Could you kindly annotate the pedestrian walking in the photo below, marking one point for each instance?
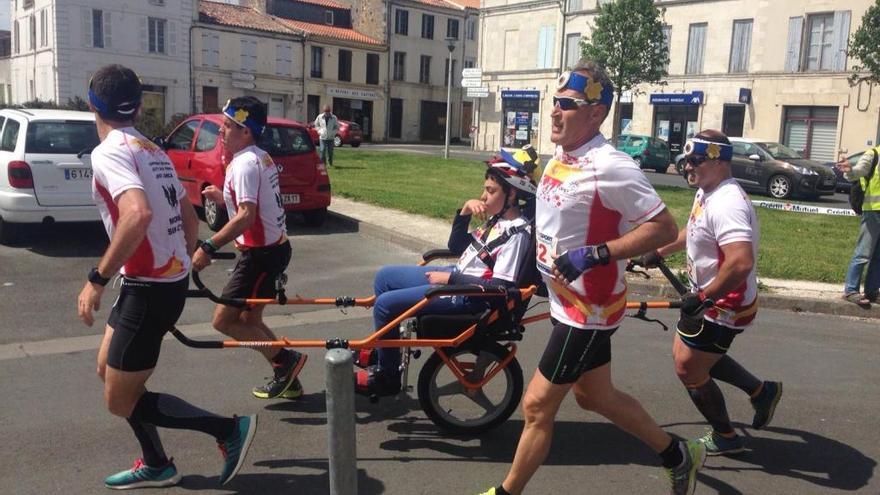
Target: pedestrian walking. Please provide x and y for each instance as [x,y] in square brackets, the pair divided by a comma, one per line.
[327,125]
[153,231]
[867,250]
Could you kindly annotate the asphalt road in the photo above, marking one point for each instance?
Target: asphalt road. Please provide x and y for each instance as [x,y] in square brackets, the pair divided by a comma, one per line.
[671,179]
[58,438]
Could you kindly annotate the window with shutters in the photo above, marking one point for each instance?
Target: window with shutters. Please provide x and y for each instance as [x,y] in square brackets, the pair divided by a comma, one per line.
[344,73]
[546,45]
[32,39]
[572,49]
[452,28]
[97,28]
[399,66]
[740,46]
[819,48]
[696,48]
[818,42]
[811,131]
[575,5]
[44,31]
[211,50]
[317,62]
[156,35]
[372,68]
[401,22]
[667,39]
[471,29]
[248,56]
[425,69]
[283,59]
[427,26]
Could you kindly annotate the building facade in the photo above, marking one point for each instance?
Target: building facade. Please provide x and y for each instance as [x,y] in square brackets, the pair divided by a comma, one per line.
[770,70]
[58,44]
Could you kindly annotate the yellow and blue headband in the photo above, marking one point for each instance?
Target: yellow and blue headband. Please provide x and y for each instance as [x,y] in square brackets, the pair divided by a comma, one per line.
[242,117]
[709,149]
[594,90]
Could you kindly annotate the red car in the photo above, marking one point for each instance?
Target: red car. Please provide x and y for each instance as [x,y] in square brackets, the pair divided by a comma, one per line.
[349,133]
[196,151]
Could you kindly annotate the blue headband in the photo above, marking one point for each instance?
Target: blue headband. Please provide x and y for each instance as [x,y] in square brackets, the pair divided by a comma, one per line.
[594,90]
[124,109]
[709,149]
[242,117]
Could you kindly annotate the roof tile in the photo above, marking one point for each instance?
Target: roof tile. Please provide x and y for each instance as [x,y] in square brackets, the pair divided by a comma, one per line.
[323,30]
[238,16]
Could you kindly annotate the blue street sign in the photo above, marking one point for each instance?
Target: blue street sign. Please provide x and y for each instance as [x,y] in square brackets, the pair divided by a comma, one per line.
[692,98]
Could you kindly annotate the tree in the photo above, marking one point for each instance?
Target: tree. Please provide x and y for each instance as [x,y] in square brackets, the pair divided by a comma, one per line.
[627,39]
[864,45]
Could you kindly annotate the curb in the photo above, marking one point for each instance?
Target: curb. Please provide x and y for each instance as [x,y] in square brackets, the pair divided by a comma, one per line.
[645,288]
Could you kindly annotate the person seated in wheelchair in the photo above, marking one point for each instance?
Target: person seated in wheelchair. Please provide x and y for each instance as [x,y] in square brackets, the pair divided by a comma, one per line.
[495,253]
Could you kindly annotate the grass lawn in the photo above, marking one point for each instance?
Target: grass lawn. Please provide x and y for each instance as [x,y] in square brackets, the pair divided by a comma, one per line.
[794,246]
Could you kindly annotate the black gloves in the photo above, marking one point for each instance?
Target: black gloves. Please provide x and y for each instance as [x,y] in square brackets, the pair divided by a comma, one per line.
[693,305]
[650,259]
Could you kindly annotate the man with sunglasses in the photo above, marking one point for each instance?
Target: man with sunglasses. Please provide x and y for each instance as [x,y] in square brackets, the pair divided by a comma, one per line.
[595,209]
[721,239]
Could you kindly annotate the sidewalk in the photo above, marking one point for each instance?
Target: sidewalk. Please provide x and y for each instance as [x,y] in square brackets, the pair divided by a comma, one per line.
[421,234]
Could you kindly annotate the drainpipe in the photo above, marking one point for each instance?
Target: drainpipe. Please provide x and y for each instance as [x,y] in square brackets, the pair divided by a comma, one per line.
[305,97]
[388,5]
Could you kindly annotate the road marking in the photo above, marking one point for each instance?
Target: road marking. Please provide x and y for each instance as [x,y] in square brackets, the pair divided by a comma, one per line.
[20,350]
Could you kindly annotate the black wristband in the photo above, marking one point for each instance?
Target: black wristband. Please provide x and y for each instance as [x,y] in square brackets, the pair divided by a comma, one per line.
[96,278]
[603,254]
[208,247]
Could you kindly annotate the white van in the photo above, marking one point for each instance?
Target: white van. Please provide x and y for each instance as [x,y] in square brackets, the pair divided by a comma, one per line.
[45,168]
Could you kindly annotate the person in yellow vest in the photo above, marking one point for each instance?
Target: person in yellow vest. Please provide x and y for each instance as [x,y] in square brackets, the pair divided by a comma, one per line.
[867,250]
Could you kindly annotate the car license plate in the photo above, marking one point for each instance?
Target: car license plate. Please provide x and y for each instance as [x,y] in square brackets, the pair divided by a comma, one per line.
[290,199]
[77,173]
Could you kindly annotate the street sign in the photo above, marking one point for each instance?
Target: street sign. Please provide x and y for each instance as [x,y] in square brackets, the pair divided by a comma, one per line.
[471,83]
[472,73]
[477,92]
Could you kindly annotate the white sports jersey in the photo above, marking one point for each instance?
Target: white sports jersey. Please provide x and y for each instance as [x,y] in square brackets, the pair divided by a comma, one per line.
[723,216]
[127,160]
[586,197]
[252,177]
[508,256]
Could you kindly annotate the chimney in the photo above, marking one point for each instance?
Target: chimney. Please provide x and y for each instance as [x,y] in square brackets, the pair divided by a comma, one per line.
[258,5]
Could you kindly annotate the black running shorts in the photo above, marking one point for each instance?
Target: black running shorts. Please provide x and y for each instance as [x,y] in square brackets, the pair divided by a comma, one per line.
[712,337]
[572,351]
[141,316]
[255,273]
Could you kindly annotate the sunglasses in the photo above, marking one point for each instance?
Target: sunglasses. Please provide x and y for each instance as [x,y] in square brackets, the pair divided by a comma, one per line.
[569,103]
[696,160]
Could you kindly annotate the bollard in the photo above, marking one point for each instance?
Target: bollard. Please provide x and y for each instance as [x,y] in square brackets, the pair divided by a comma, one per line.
[340,422]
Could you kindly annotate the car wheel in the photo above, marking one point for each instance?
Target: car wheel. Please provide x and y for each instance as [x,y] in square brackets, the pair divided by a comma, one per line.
[679,167]
[8,232]
[315,218]
[638,161]
[337,141]
[215,214]
[356,144]
[779,186]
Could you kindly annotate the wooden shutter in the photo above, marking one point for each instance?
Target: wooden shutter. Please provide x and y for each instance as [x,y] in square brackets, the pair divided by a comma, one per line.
[839,43]
[87,27]
[793,47]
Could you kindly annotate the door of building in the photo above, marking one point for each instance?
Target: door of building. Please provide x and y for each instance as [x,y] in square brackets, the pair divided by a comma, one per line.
[432,122]
[357,111]
[675,124]
[733,119]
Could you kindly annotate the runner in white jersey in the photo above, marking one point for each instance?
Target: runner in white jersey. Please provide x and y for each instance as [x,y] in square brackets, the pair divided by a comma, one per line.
[721,239]
[495,253]
[257,227]
[595,209]
[153,231]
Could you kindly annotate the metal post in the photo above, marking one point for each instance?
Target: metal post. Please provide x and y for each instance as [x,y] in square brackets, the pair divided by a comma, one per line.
[448,104]
[340,423]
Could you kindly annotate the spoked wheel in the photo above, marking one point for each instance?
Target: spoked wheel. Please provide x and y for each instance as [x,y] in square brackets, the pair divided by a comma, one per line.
[459,410]
[215,214]
[779,186]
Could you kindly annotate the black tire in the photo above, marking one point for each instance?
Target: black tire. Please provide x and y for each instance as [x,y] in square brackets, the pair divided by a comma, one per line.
[8,232]
[679,167]
[780,186]
[448,406]
[215,214]
[356,144]
[337,142]
[315,218]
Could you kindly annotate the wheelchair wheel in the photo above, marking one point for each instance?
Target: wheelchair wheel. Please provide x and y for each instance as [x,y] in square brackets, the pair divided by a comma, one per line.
[457,410]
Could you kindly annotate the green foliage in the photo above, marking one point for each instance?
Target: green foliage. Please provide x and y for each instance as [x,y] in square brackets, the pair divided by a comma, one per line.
[76,103]
[864,45]
[627,39]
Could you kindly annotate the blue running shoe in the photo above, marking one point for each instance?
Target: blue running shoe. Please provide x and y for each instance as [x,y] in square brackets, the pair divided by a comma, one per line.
[235,448]
[141,476]
[720,445]
[765,404]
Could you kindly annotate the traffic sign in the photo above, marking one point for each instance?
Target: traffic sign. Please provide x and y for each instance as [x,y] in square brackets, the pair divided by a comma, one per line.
[471,83]
[472,73]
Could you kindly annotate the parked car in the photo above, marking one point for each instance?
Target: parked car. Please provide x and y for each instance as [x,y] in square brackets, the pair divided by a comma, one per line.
[774,169]
[647,151]
[196,151]
[45,168]
[844,185]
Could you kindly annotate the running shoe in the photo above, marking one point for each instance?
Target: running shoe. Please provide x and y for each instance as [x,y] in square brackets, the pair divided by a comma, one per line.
[684,477]
[490,491]
[294,392]
[284,377]
[765,404]
[235,448]
[720,445]
[141,476]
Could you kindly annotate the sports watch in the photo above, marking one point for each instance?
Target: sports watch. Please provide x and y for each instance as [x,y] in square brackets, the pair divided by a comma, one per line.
[96,278]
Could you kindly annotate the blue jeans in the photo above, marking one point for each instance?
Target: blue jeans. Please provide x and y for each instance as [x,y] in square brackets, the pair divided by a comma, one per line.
[397,289]
[867,252]
[327,151]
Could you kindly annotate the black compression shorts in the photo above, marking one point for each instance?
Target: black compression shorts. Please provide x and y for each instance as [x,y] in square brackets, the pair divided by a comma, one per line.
[712,337]
[572,351]
[255,273]
[141,316]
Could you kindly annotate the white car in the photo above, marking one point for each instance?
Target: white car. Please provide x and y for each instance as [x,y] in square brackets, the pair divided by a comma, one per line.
[45,168]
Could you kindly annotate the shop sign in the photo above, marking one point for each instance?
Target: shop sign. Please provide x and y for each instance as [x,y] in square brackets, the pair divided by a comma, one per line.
[357,94]
[692,98]
[519,94]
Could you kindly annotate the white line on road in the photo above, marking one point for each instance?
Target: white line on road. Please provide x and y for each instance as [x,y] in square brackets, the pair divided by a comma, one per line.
[20,350]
